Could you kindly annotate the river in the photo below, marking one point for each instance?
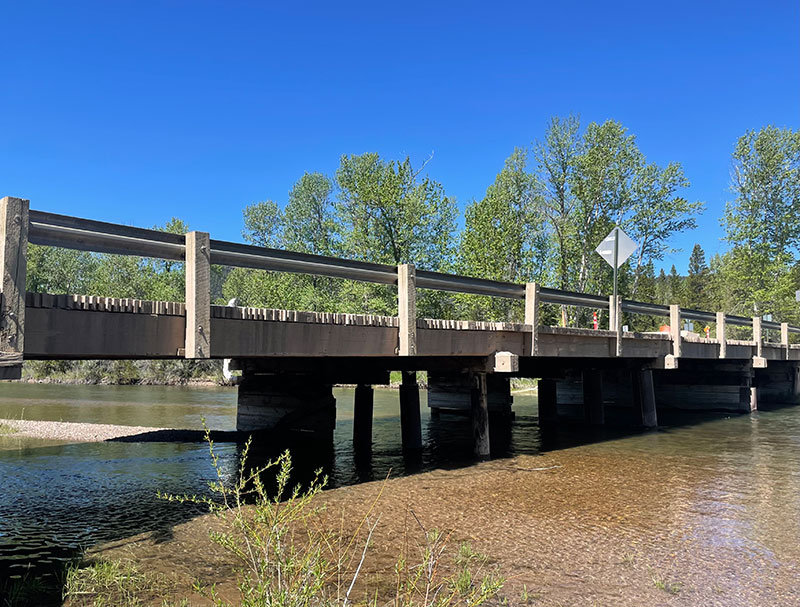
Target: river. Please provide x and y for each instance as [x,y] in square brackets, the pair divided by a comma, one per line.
[57,499]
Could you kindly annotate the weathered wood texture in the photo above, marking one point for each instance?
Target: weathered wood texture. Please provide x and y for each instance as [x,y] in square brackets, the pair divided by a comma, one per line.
[532,315]
[13,262]
[722,335]
[410,420]
[547,402]
[363,404]
[198,295]
[56,333]
[593,397]
[452,392]
[479,414]
[407,309]
[644,398]
[292,402]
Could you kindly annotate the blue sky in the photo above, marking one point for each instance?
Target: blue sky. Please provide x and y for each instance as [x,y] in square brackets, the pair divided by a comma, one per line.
[135,112]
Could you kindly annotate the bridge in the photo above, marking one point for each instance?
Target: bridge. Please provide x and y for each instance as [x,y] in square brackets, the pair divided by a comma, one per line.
[291,359]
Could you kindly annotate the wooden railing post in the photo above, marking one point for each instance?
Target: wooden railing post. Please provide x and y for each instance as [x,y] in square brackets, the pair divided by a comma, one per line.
[407,309]
[785,339]
[198,295]
[14,223]
[615,321]
[532,314]
[671,361]
[722,335]
[758,337]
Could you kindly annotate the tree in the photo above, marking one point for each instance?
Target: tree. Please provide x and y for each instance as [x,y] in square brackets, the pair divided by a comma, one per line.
[762,224]
[697,281]
[657,213]
[389,213]
[503,237]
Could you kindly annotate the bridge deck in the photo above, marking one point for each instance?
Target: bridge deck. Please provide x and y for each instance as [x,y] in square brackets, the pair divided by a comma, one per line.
[80,327]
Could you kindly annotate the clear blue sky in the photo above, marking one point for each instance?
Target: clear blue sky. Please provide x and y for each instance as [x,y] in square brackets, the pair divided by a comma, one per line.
[134,112]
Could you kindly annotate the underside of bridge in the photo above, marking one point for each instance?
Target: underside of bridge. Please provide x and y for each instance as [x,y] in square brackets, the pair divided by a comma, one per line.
[295,394]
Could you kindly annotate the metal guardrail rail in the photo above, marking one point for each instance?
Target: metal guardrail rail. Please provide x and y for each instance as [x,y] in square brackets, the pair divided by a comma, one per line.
[51,229]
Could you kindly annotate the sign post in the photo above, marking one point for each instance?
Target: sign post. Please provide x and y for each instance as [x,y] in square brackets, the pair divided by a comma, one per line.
[615,249]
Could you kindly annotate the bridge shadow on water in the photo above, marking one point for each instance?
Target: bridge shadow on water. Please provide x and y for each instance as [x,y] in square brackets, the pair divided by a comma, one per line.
[66,498]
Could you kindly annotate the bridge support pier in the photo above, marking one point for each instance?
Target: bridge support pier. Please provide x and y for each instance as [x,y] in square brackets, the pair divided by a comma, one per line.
[779,383]
[548,403]
[362,415]
[479,402]
[452,393]
[644,398]
[708,386]
[291,402]
[594,409]
[410,421]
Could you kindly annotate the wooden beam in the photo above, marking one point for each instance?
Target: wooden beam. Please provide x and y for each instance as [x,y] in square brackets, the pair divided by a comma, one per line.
[532,314]
[675,329]
[785,339]
[479,414]
[410,421]
[198,295]
[362,415]
[722,335]
[14,223]
[407,309]
[592,381]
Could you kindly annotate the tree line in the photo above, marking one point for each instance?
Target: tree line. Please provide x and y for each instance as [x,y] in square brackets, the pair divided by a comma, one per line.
[541,218]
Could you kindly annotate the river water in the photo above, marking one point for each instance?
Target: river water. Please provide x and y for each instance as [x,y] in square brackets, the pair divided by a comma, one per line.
[57,499]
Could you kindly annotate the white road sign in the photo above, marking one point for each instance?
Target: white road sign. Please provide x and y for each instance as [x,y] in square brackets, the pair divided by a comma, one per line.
[625,248]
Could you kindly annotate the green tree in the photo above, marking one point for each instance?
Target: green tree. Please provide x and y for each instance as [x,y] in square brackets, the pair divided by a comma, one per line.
[762,224]
[389,213]
[503,237]
[697,281]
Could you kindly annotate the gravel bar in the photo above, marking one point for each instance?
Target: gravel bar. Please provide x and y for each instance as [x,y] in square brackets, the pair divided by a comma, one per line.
[96,433]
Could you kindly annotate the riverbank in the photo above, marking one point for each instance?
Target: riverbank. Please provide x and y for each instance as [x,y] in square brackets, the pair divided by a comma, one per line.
[575,527]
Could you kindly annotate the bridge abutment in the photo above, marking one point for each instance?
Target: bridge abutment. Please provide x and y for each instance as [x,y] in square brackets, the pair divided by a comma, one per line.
[708,386]
[291,401]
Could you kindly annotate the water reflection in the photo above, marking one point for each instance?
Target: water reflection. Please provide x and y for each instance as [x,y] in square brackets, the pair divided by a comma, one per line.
[723,482]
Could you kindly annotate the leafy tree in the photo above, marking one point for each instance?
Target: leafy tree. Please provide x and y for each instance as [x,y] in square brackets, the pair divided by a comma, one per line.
[389,213]
[762,224]
[503,237]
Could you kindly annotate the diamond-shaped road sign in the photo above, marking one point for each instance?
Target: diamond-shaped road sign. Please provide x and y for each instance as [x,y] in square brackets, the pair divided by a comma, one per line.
[625,247]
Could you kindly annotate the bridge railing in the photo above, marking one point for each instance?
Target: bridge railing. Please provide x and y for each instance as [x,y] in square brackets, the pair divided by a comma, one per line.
[19,225]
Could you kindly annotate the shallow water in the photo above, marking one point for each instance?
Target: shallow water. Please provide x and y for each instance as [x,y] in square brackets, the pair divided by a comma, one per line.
[736,478]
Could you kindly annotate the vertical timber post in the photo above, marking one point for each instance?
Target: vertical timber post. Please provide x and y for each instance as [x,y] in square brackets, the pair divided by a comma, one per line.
[198,295]
[548,402]
[722,335]
[14,223]
[410,422]
[592,380]
[675,333]
[758,336]
[785,339]
[532,314]
[612,313]
[479,410]
[644,398]
[362,415]
[407,309]
[759,362]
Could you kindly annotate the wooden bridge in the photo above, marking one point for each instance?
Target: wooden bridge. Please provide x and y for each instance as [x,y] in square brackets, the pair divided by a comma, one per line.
[290,359]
